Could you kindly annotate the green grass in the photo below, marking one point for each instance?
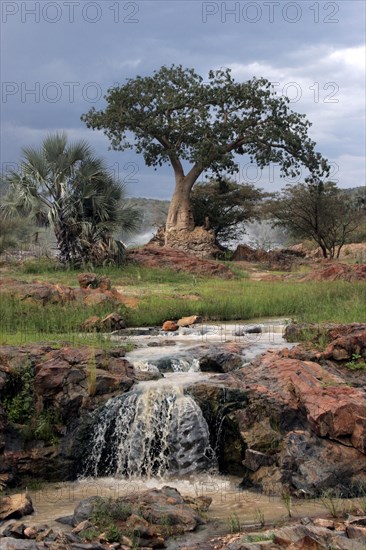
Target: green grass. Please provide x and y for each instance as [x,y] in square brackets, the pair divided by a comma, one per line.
[129,274]
[27,317]
[160,294]
[243,299]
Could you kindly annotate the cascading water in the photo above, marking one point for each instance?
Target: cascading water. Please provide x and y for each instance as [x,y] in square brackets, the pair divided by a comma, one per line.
[153,430]
[170,364]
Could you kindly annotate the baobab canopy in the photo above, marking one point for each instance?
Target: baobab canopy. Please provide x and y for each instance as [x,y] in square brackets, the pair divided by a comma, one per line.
[176,116]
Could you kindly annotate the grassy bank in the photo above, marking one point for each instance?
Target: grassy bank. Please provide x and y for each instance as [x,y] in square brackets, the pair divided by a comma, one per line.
[163,294]
[242,299]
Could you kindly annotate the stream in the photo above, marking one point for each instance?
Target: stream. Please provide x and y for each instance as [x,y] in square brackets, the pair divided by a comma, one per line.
[156,435]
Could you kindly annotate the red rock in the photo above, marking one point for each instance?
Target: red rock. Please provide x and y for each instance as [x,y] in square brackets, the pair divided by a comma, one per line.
[50,376]
[177,260]
[188,321]
[170,326]
[338,271]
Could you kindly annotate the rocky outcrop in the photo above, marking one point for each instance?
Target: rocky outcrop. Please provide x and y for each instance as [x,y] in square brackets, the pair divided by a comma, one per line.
[274,259]
[177,260]
[142,520]
[199,242]
[94,290]
[60,386]
[285,421]
[338,272]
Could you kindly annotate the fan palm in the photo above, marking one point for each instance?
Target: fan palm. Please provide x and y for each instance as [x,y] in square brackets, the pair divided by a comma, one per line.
[67,186]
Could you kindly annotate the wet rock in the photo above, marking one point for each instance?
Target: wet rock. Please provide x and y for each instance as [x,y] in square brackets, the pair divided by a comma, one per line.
[85,509]
[255,459]
[248,330]
[15,530]
[15,506]
[302,416]
[147,372]
[169,326]
[312,465]
[189,321]
[220,362]
[69,382]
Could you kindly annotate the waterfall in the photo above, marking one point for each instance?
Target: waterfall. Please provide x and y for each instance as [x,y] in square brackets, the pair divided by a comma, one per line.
[171,364]
[153,430]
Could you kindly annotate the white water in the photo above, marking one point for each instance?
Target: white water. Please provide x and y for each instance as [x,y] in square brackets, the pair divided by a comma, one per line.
[151,431]
[156,429]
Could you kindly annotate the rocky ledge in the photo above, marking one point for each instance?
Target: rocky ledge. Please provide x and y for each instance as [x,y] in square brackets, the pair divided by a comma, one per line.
[45,392]
[293,420]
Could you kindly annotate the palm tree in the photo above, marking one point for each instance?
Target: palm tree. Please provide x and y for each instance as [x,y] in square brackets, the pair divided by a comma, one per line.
[67,186]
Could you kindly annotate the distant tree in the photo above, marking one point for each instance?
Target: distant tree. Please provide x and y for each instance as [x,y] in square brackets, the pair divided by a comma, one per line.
[174,116]
[321,212]
[223,206]
[66,186]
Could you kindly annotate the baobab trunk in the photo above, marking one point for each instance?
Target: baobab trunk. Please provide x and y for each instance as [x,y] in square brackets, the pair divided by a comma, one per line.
[180,230]
[180,215]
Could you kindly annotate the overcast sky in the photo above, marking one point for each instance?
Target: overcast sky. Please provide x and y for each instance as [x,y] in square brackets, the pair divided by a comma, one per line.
[58,58]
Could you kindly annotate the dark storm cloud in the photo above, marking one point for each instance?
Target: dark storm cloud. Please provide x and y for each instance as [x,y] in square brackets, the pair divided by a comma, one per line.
[60,57]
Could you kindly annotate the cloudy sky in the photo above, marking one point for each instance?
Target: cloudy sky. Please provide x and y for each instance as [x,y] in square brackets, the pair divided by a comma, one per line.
[58,58]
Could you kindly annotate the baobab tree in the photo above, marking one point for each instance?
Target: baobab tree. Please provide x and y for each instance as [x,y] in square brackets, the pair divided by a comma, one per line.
[176,117]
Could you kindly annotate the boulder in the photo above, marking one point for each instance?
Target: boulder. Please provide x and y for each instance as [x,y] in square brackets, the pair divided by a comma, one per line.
[15,506]
[312,465]
[221,362]
[169,326]
[189,321]
[84,510]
